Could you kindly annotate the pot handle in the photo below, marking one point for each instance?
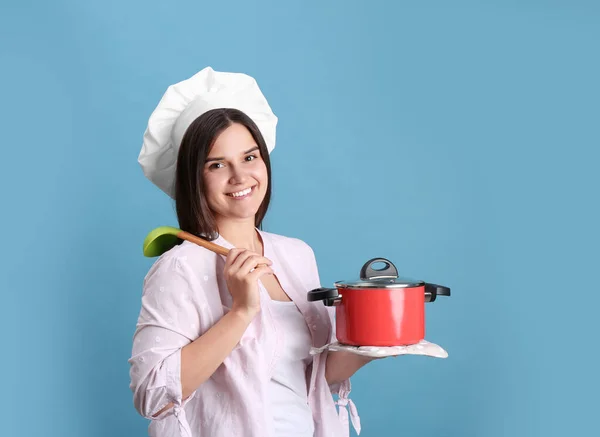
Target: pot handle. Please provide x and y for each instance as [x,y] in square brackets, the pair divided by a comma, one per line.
[329,296]
[368,272]
[432,291]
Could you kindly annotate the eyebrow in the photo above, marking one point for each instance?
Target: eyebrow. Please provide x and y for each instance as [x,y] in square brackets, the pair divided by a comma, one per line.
[223,159]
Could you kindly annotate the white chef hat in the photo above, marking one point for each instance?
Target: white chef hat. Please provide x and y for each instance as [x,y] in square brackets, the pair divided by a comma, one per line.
[185,101]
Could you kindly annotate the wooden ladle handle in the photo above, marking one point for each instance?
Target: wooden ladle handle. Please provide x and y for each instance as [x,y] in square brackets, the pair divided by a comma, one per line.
[202,242]
[206,244]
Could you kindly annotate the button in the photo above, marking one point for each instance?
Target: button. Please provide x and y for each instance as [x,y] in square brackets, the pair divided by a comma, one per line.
[205,278]
[213,89]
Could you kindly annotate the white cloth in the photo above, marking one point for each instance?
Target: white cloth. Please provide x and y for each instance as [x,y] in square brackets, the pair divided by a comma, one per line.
[423,347]
[183,103]
[288,389]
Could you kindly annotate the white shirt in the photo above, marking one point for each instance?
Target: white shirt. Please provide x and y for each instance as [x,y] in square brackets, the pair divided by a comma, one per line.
[288,388]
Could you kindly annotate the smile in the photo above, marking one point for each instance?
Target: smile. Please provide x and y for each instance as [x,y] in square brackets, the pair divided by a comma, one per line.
[242,194]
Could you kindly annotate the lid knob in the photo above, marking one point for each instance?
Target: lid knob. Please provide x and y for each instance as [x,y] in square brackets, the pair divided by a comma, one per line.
[388,272]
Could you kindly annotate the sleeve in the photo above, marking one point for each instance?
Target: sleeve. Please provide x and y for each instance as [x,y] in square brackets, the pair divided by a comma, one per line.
[341,389]
[169,319]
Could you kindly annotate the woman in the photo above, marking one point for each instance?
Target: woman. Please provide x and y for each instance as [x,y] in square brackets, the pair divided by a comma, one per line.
[222,343]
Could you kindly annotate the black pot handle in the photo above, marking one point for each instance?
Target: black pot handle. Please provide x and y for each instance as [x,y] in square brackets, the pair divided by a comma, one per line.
[328,295]
[432,291]
[368,272]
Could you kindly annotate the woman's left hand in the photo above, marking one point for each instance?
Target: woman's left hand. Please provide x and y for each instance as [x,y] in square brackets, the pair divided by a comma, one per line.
[341,365]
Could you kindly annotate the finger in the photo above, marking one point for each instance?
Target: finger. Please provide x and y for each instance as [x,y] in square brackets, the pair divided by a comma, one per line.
[244,256]
[241,259]
[249,264]
[253,262]
[259,272]
[232,256]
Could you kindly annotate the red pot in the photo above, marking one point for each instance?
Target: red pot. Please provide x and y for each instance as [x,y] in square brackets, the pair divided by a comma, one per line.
[380,309]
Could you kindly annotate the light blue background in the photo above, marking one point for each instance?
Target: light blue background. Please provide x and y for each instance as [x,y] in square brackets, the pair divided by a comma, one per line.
[458,138]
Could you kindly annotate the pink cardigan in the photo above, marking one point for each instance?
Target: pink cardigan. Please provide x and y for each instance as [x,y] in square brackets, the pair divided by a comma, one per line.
[184,295]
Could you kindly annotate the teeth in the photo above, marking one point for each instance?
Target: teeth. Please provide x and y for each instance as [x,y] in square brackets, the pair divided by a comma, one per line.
[241,193]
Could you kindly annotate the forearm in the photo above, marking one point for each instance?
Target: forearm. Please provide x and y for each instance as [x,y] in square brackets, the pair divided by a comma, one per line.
[341,365]
[203,356]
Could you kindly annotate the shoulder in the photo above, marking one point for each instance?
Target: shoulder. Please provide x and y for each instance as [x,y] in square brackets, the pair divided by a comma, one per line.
[178,261]
[288,242]
[290,246]
[298,256]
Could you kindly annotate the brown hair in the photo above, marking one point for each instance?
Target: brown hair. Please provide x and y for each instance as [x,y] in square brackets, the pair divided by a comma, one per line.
[193,212]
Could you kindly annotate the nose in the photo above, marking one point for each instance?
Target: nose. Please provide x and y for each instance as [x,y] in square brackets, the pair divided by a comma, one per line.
[238,175]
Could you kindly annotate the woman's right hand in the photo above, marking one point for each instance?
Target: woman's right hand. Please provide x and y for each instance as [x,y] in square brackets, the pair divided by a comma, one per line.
[241,276]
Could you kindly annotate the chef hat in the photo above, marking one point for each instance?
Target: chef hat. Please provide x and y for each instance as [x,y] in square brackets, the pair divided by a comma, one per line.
[183,103]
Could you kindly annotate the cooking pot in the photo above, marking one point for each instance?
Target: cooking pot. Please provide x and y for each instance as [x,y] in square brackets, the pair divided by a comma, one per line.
[379,309]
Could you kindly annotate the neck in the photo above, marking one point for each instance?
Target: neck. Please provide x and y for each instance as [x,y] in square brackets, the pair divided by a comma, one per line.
[241,233]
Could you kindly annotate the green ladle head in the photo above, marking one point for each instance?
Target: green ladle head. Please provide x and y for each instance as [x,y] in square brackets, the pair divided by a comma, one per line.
[161,239]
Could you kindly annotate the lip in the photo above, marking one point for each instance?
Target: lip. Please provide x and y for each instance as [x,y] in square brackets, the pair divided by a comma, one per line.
[252,189]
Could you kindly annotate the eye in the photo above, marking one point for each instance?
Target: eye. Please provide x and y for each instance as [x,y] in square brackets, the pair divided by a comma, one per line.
[250,158]
[215,166]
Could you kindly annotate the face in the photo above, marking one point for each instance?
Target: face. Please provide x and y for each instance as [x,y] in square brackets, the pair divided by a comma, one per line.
[235,175]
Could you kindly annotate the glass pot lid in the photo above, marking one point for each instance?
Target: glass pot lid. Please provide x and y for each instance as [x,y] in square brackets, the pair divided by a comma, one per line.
[387,277]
